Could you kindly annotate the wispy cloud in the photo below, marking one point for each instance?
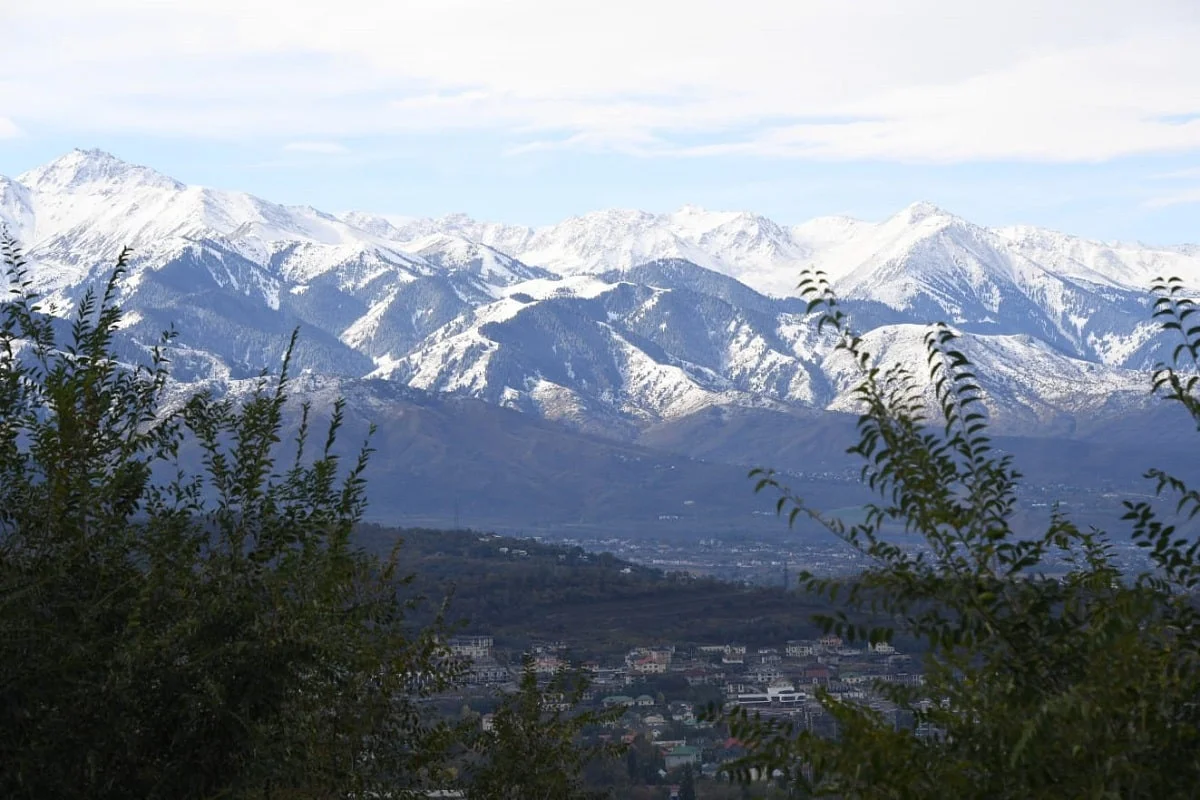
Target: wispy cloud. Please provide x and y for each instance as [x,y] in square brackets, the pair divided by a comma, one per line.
[634,142]
[1184,197]
[8,129]
[319,148]
[898,80]
[1185,174]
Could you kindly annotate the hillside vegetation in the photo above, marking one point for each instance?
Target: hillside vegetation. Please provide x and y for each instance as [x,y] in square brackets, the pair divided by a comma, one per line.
[595,603]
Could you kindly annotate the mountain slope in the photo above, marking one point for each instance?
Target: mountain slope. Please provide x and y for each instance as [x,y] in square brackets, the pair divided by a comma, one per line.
[612,321]
[929,265]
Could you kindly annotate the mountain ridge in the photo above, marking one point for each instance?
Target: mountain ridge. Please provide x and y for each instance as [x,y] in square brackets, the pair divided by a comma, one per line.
[611,320]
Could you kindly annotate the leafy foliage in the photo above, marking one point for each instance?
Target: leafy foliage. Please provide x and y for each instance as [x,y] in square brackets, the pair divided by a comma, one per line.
[166,634]
[532,750]
[1082,684]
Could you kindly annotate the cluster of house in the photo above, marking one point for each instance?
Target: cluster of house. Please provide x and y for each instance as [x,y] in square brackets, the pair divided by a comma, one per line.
[826,662]
[776,683]
[773,681]
[776,680]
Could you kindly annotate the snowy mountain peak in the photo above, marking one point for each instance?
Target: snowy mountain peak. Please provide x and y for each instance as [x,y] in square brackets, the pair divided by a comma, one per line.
[922,211]
[90,169]
[611,315]
[456,219]
[616,217]
[821,233]
[16,208]
[374,224]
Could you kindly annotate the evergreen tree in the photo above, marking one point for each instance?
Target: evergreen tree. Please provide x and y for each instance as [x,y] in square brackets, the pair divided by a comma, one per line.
[687,784]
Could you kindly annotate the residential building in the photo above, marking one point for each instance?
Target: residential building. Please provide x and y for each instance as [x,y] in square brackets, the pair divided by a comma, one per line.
[799,648]
[647,661]
[830,642]
[487,673]
[776,694]
[476,648]
[547,664]
[682,756]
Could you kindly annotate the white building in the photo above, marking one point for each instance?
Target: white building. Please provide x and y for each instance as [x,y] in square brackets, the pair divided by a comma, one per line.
[780,693]
[799,648]
[647,661]
[476,648]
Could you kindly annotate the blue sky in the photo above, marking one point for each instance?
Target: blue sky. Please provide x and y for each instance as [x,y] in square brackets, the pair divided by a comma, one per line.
[1081,116]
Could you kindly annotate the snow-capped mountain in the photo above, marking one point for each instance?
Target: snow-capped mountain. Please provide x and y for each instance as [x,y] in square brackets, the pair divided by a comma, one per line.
[927,264]
[611,320]
[751,248]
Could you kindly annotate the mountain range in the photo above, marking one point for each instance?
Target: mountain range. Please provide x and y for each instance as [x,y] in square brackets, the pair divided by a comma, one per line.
[617,328]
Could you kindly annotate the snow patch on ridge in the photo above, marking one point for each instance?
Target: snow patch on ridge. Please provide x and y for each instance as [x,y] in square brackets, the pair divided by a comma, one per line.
[1055,321]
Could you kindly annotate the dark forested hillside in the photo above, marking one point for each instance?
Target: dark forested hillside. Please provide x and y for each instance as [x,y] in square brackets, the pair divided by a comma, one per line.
[520,590]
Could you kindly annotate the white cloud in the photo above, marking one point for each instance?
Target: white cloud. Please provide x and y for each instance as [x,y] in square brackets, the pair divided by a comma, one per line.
[1185,197]
[8,129]
[1178,174]
[920,80]
[319,148]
